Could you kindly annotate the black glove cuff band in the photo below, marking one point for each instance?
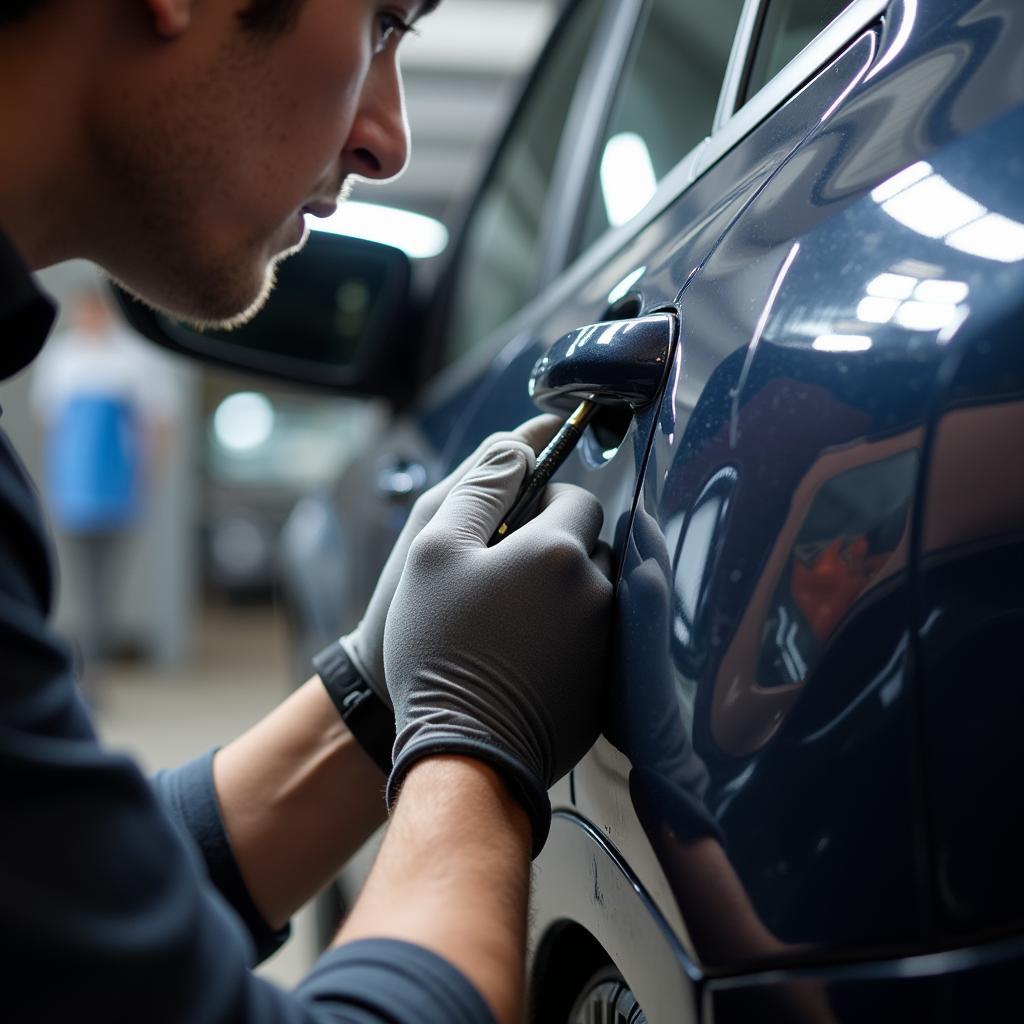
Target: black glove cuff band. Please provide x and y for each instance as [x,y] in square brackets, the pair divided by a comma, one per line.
[368,718]
[520,782]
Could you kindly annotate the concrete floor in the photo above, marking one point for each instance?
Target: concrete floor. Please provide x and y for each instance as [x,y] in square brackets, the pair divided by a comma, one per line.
[163,717]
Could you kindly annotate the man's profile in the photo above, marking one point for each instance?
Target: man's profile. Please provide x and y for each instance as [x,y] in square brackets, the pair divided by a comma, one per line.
[179,145]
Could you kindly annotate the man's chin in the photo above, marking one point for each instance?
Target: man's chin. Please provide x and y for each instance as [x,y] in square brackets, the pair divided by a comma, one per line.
[211,304]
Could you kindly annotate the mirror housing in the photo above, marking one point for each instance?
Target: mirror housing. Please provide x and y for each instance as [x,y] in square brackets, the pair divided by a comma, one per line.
[339,318]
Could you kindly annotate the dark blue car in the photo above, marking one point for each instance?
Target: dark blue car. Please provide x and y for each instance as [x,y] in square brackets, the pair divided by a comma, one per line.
[782,242]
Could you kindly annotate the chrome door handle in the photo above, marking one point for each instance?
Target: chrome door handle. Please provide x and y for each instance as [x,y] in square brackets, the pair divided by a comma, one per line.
[619,362]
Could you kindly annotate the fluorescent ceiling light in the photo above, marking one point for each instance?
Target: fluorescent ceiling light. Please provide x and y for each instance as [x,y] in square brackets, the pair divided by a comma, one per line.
[877,311]
[892,286]
[925,316]
[994,237]
[926,203]
[898,182]
[628,180]
[949,292]
[841,343]
[418,236]
[933,208]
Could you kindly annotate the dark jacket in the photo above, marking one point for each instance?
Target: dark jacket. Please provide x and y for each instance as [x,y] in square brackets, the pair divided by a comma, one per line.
[120,899]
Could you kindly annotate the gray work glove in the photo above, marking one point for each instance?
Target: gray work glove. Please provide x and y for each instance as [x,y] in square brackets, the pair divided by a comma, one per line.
[499,653]
[365,644]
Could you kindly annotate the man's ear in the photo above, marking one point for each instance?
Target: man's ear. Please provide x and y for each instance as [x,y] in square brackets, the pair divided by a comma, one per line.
[170,17]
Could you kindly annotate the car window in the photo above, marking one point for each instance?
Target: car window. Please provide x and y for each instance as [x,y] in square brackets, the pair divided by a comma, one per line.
[500,255]
[665,106]
[787,27]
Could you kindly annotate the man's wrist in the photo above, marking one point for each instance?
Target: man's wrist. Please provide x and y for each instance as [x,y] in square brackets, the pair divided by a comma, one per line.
[479,790]
[518,782]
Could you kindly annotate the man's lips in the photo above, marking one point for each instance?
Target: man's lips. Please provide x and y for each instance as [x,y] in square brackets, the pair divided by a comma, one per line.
[321,208]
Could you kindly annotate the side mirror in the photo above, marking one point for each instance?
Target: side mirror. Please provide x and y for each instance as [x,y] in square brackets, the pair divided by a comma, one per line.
[338,318]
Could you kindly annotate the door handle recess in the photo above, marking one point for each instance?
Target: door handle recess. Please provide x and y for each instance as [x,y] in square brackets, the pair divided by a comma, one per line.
[616,363]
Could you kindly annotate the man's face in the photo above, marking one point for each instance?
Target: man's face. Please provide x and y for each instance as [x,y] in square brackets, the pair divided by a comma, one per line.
[230,135]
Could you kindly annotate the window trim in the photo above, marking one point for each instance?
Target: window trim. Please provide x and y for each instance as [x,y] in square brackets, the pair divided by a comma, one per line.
[841,30]
[597,90]
[739,60]
[439,311]
[825,47]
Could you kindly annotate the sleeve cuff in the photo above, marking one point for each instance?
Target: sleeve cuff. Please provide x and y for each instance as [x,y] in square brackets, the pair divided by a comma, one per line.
[387,979]
[188,797]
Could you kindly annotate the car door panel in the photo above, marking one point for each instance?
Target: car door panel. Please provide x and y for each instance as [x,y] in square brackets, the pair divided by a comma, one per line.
[768,721]
[969,545]
[672,249]
[667,251]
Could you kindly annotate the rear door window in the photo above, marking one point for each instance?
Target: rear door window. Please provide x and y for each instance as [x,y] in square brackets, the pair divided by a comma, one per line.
[664,108]
[787,26]
[500,256]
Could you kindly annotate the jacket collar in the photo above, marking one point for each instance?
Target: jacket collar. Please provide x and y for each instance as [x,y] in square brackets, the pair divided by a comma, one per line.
[26,314]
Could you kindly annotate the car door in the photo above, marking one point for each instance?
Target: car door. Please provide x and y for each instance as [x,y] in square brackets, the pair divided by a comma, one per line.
[656,192]
[765,702]
[622,274]
[641,268]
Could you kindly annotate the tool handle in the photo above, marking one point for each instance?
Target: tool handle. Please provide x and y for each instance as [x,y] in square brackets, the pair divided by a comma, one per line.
[547,464]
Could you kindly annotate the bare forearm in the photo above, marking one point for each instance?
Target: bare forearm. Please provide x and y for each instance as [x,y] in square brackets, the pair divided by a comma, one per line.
[453,876]
[299,796]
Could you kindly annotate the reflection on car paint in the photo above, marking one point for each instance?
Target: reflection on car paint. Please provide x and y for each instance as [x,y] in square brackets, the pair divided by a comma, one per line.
[799,710]
[846,531]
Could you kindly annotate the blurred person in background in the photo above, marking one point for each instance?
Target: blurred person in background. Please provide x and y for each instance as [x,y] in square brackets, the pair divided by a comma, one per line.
[179,144]
[107,407]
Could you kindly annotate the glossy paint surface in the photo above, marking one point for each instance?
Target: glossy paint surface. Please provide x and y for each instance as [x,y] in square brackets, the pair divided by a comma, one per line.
[810,753]
[970,609]
[765,693]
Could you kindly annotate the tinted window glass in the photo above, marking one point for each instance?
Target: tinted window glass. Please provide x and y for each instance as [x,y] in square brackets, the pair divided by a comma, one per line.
[498,265]
[789,25]
[666,105]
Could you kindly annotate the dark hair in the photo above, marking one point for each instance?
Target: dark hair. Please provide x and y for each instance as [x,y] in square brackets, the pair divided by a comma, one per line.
[12,10]
[261,15]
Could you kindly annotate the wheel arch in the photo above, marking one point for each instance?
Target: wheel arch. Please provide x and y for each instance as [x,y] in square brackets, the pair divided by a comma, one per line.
[589,911]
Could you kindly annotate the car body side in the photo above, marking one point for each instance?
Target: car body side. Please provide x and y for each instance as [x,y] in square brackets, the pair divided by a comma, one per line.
[817,540]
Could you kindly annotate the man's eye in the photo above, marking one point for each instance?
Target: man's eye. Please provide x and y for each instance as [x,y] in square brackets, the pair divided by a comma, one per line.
[389,26]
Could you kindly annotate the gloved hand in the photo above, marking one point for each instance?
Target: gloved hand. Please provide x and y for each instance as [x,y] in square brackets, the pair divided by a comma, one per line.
[499,653]
[365,644]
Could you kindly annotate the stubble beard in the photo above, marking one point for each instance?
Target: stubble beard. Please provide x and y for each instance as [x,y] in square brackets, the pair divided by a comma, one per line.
[166,263]
[159,210]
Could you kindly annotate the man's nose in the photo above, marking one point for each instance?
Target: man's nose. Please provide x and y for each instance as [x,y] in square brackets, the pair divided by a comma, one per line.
[378,145]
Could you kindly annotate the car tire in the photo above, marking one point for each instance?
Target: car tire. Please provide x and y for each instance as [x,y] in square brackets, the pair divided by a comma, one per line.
[607,999]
